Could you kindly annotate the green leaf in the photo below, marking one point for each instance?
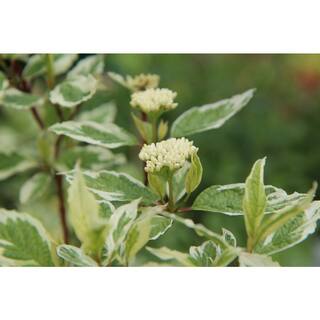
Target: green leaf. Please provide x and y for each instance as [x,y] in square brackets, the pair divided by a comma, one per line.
[256,260]
[13,163]
[90,157]
[88,224]
[144,128]
[165,254]
[120,223]
[158,184]
[110,136]
[72,92]
[255,199]
[292,232]
[93,64]
[228,199]
[103,113]
[4,83]
[13,98]
[114,186]
[210,116]
[37,65]
[24,239]
[275,221]
[35,187]
[194,174]
[204,255]
[75,256]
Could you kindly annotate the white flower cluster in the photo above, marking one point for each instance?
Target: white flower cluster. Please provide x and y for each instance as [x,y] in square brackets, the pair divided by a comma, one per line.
[142,82]
[170,153]
[153,100]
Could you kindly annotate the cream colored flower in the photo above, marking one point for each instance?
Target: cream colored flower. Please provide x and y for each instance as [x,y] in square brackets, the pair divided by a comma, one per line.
[171,153]
[137,83]
[142,82]
[153,100]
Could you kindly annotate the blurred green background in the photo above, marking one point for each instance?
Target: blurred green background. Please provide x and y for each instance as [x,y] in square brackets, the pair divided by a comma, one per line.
[282,122]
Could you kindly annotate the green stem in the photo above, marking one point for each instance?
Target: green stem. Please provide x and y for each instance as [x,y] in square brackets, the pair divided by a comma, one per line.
[50,71]
[171,205]
[153,121]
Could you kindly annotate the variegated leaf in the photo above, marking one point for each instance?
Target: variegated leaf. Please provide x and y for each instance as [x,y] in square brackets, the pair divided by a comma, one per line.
[120,223]
[24,240]
[291,233]
[159,226]
[179,178]
[255,199]
[13,98]
[227,199]
[35,187]
[75,256]
[103,113]
[204,255]
[210,116]
[110,136]
[138,236]
[72,92]
[90,227]
[93,64]
[13,163]
[37,64]
[114,186]
[90,157]
[256,260]
[166,254]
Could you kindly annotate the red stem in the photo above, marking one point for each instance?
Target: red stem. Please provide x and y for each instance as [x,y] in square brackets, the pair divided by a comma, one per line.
[62,209]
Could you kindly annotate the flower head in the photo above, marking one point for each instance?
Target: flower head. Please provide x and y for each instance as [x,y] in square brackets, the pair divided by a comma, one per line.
[137,83]
[171,153]
[142,82]
[154,100]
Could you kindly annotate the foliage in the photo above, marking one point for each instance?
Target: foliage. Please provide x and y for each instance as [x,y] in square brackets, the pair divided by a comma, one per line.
[107,216]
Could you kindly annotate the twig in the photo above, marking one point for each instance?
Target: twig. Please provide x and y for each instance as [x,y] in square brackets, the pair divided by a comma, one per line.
[37,118]
[62,209]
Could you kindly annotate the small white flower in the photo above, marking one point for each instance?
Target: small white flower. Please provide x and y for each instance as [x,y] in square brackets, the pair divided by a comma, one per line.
[137,83]
[153,100]
[171,153]
[142,82]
